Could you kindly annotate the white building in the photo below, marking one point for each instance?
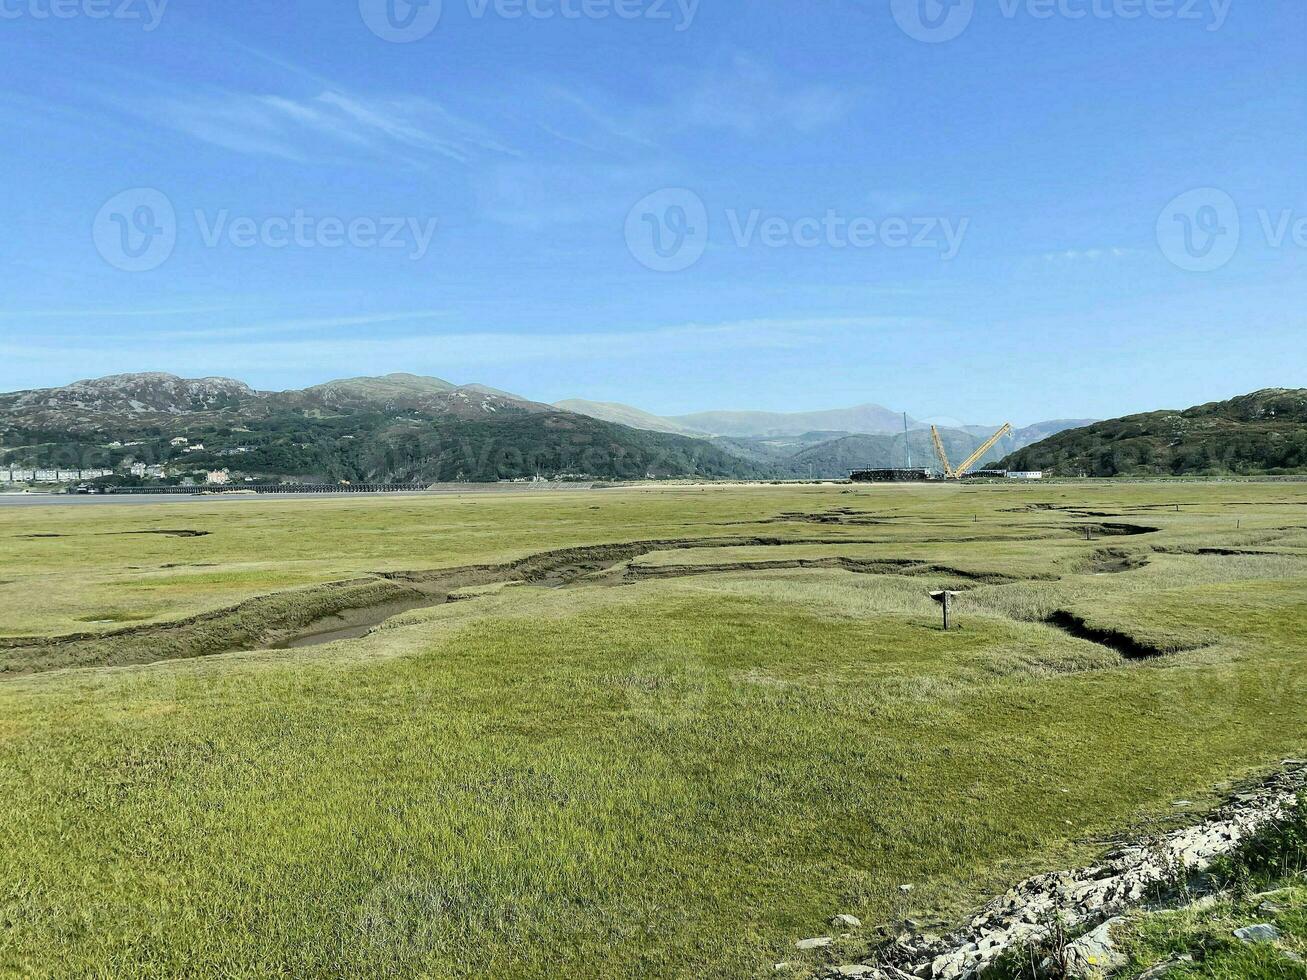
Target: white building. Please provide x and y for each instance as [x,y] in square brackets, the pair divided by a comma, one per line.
[50,476]
[218,478]
[1028,475]
[179,441]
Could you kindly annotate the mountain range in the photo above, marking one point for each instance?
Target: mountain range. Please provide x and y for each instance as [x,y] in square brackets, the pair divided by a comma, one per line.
[403,427]
[397,428]
[873,419]
[827,443]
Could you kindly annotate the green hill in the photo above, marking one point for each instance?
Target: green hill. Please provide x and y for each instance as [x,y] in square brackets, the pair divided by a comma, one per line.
[1261,433]
[399,428]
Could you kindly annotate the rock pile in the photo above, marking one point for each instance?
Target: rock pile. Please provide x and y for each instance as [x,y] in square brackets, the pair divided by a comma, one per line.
[1084,898]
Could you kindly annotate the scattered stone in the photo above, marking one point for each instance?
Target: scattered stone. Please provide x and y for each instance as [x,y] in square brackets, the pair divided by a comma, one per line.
[821,942]
[1095,952]
[847,921]
[1089,897]
[1183,803]
[855,970]
[1263,932]
[1271,907]
[1162,969]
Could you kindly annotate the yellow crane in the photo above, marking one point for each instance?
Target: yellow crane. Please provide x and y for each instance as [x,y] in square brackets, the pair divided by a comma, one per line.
[956,474]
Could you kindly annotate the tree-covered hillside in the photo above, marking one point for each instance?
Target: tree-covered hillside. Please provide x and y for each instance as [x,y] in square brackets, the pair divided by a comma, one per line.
[1261,433]
[373,430]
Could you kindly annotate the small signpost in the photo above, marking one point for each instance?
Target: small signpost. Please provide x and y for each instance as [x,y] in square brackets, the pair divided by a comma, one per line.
[945,599]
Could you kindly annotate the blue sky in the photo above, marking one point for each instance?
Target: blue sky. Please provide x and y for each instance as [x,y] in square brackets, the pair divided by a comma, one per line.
[681,206]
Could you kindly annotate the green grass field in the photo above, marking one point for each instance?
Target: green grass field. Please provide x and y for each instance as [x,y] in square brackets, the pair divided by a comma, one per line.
[670,764]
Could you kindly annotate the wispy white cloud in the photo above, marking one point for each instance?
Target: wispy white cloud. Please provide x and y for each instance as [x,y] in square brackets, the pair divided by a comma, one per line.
[570,113]
[1074,255]
[744,96]
[296,114]
[300,128]
[540,196]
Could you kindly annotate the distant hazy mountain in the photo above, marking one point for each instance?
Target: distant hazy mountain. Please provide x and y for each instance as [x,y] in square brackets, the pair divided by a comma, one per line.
[826,443]
[626,415]
[837,455]
[861,418]
[1042,430]
[1263,432]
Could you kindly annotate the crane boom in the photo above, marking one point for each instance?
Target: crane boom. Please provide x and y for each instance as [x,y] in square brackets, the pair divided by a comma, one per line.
[939,452]
[980,453]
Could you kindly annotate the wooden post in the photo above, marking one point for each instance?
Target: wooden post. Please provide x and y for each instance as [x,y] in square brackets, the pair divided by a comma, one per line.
[945,600]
